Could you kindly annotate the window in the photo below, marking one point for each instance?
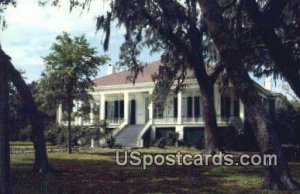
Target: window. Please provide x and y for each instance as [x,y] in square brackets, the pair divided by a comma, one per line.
[158,111]
[272,106]
[114,109]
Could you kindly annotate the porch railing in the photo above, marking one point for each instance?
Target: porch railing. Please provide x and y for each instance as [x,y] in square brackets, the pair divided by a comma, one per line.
[114,121]
[188,120]
[165,120]
[227,119]
[192,119]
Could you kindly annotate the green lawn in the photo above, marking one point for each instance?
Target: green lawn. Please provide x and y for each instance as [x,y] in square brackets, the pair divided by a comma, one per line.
[97,172]
[26,145]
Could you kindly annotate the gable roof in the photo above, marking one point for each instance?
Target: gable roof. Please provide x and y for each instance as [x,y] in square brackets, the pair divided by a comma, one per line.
[121,78]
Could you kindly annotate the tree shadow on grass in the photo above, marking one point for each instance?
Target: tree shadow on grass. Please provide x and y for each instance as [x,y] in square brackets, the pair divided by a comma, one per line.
[81,175]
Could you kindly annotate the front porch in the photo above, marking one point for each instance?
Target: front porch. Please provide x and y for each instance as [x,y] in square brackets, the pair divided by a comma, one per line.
[135,108]
[122,110]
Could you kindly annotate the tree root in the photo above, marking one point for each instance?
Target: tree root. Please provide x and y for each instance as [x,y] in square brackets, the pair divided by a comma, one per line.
[282,183]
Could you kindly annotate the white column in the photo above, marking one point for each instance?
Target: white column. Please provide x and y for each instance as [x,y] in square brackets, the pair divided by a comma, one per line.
[92,143]
[152,133]
[92,114]
[179,130]
[102,107]
[59,114]
[150,107]
[242,111]
[179,107]
[126,107]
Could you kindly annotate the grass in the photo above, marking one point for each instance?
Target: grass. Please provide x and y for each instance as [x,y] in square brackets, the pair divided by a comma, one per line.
[97,172]
[22,145]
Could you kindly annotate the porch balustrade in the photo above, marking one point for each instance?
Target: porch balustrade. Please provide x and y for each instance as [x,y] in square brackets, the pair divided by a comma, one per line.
[165,120]
[114,121]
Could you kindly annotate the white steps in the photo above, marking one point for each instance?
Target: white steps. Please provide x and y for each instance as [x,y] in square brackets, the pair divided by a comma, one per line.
[128,136]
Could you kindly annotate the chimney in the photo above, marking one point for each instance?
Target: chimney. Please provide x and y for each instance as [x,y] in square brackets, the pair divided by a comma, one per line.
[110,69]
[268,82]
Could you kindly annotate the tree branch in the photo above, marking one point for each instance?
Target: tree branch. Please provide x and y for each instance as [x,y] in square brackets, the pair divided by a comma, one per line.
[167,33]
[282,57]
[214,76]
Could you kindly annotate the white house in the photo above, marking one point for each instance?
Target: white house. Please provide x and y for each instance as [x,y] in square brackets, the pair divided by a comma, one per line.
[132,117]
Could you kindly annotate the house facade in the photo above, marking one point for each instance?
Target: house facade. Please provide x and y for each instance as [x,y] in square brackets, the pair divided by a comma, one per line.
[132,117]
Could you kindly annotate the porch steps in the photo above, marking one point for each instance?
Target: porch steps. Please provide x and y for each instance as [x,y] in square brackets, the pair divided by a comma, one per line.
[128,136]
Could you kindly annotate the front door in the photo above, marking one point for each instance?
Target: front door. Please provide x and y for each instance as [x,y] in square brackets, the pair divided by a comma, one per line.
[132,112]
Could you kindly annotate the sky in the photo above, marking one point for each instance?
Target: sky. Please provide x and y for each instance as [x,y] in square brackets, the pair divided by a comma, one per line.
[31,30]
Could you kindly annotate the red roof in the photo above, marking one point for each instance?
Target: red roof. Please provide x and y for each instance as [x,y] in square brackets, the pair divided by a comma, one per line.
[145,76]
[122,77]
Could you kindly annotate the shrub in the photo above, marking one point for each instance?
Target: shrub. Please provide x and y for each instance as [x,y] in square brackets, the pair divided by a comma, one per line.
[161,143]
[172,138]
[200,144]
[24,133]
[110,142]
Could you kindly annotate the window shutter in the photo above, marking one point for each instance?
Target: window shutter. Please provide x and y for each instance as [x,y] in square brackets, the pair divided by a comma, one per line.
[236,107]
[189,107]
[116,109]
[122,109]
[175,107]
[197,106]
[106,109]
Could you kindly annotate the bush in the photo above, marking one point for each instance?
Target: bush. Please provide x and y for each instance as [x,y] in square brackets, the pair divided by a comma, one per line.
[238,138]
[172,138]
[147,143]
[52,134]
[24,133]
[110,142]
[81,135]
[161,142]
[200,144]
[180,143]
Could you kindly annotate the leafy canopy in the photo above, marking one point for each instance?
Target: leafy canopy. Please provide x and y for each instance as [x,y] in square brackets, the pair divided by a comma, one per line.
[70,68]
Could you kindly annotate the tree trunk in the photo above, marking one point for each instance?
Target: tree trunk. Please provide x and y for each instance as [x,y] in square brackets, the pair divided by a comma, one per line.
[69,127]
[207,90]
[277,177]
[283,60]
[41,163]
[4,133]
[205,82]
[209,113]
